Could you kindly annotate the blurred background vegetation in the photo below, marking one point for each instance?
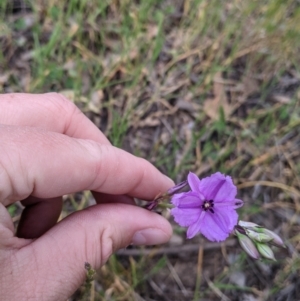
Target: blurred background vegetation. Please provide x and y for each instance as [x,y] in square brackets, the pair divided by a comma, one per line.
[191,85]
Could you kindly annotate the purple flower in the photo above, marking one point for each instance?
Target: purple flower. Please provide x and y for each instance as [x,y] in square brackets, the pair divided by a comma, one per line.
[209,208]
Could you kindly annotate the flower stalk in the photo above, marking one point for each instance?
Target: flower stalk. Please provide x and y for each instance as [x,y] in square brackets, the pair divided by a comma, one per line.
[167,195]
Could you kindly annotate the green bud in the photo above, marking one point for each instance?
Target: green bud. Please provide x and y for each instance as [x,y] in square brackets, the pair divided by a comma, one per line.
[258,237]
[274,238]
[247,225]
[264,235]
[265,251]
[247,245]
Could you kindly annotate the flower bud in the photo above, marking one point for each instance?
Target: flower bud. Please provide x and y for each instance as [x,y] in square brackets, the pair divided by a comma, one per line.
[265,251]
[247,244]
[274,238]
[258,237]
[177,188]
[248,225]
[263,234]
[151,205]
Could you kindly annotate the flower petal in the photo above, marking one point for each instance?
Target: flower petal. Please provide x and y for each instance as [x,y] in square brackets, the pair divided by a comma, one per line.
[218,187]
[187,216]
[211,230]
[186,200]
[238,203]
[194,182]
[227,217]
[234,204]
[217,226]
[195,228]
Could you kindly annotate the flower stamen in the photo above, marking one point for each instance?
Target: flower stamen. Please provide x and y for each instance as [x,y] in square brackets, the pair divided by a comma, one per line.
[208,205]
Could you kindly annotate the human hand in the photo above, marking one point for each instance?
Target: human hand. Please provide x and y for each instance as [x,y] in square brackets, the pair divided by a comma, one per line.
[49,149]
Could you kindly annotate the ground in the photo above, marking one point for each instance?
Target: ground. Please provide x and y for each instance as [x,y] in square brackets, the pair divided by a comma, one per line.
[200,86]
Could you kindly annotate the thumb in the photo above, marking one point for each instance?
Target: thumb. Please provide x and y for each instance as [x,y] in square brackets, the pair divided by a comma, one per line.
[91,235]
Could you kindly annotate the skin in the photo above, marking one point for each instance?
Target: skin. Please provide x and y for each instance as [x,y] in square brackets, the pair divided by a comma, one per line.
[48,149]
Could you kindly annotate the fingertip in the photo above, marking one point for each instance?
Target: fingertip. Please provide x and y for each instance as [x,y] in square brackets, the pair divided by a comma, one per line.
[169,181]
[150,236]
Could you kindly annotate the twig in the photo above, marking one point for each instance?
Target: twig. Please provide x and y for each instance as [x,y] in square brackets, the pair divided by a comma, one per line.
[177,278]
[199,271]
[216,290]
[192,248]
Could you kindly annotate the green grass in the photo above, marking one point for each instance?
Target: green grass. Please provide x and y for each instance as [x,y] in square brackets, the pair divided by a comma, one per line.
[154,64]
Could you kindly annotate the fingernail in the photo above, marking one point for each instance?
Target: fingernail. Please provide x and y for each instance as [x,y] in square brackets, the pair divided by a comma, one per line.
[150,236]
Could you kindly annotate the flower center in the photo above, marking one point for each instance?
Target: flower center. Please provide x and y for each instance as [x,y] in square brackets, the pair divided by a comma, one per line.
[208,205]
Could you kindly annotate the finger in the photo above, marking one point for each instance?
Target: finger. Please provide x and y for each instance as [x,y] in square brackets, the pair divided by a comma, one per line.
[89,236]
[8,240]
[104,198]
[6,223]
[39,216]
[47,165]
[50,111]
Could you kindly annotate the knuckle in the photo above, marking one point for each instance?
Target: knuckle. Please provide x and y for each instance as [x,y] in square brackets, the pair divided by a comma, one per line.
[65,108]
[99,243]
[9,191]
[99,248]
[62,103]
[106,244]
